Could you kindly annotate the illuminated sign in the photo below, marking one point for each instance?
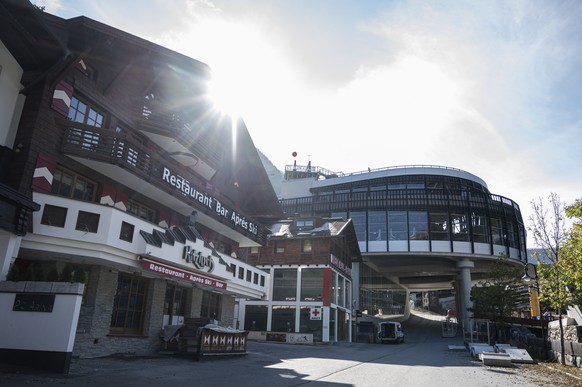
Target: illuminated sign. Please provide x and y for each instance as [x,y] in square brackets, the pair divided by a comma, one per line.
[208,201]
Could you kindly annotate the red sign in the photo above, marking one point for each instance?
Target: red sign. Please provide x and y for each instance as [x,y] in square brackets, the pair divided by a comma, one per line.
[182,274]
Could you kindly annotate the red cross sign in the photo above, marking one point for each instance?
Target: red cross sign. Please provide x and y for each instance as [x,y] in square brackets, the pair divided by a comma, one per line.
[315,314]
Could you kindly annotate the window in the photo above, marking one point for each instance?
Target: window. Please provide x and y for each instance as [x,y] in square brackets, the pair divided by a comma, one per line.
[497,231]
[306,246]
[439,229]
[283,319]
[262,280]
[140,210]
[256,317]
[479,223]
[307,325]
[285,285]
[129,305]
[460,227]
[341,291]
[87,221]
[311,284]
[397,226]
[377,225]
[359,220]
[279,247]
[174,303]
[333,288]
[211,303]
[304,223]
[71,185]
[233,266]
[418,225]
[81,112]
[512,236]
[241,272]
[54,216]
[256,278]
[254,250]
[126,233]
[249,275]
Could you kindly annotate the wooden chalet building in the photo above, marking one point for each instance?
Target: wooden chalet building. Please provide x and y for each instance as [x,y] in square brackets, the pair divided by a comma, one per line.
[309,261]
[139,183]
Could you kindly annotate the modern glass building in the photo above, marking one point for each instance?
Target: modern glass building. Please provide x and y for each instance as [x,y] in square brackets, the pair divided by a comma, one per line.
[418,227]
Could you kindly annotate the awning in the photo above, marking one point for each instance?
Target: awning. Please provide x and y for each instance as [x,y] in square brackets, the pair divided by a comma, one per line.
[174,272]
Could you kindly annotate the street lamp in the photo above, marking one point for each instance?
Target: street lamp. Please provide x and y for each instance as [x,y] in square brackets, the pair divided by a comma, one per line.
[531,274]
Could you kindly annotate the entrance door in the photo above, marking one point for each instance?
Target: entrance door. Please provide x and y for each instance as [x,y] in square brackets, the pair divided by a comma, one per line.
[174,305]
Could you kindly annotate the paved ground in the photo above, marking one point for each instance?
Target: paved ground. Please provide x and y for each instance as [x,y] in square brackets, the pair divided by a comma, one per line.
[422,360]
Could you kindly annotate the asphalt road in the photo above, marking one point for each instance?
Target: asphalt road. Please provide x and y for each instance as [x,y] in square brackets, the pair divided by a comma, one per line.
[422,360]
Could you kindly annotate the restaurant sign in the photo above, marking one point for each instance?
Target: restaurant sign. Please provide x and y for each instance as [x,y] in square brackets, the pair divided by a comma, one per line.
[208,201]
[174,272]
[341,266]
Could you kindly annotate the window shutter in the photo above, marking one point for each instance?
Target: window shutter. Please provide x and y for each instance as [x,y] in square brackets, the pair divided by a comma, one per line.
[43,173]
[62,98]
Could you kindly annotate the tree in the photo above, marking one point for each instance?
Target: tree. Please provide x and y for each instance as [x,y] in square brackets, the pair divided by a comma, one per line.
[550,235]
[499,296]
[548,228]
[570,260]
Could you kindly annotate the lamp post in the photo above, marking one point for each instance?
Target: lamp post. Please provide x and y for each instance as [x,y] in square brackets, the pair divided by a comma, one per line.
[531,274]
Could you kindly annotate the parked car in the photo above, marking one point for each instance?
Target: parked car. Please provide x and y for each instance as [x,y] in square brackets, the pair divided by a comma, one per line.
[390,332]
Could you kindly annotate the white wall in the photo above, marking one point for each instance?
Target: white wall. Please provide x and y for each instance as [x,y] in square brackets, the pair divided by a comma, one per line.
[40,331]
[11,101]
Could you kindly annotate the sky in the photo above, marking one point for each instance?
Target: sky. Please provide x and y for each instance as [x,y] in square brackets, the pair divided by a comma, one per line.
[490,87]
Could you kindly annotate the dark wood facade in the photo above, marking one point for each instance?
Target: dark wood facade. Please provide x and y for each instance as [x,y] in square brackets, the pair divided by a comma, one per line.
[338,240]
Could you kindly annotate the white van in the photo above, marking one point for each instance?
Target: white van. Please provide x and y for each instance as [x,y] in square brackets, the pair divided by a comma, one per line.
[390,332]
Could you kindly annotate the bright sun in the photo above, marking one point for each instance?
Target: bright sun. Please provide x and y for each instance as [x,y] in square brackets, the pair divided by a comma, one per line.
[226,92]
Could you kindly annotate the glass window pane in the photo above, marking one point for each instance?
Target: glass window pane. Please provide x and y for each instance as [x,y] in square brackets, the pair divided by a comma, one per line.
[480,230]
[256,317]
[496,231]
[377,226]
[439,226]
[459,227]
[418,225]
[307,325]
[285,285]
[397,226]
[333,288]
[341,291]
[359,220]
[283,319]
[311,284]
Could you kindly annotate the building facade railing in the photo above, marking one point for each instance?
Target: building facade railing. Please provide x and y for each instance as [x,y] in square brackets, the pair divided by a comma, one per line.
[127,151]
[468,222]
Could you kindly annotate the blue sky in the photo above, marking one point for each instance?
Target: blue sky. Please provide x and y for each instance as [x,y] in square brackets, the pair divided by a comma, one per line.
[490,87]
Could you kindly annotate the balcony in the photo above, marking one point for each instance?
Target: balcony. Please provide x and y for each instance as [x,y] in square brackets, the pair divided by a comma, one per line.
[90,233]
[125,158]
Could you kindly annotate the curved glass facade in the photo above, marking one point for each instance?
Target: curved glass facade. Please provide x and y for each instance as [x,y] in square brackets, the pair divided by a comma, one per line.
[419,210]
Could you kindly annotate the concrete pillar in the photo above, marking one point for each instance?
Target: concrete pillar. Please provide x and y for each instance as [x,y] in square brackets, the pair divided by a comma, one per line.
[9,246]
[465,267]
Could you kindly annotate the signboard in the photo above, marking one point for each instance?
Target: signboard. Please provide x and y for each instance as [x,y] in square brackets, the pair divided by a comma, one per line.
[173,272]
[341,266]
[315,314]
[33,302]
[206,200]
